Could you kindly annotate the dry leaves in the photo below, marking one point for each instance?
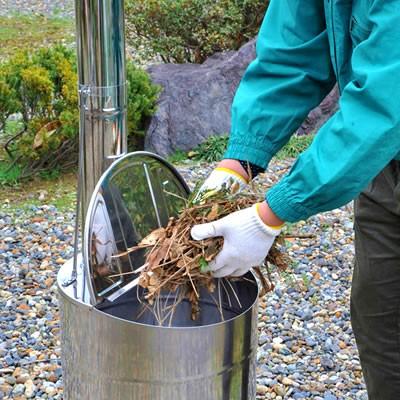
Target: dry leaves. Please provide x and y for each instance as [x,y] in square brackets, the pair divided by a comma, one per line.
[175,261]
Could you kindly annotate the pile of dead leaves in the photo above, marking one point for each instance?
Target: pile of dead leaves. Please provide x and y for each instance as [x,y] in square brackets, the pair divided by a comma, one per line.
[175,261]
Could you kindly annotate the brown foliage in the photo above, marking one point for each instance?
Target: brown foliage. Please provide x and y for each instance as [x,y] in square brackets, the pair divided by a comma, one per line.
[176,261]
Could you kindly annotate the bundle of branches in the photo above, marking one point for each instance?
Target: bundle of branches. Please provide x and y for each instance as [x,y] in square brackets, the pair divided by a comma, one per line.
[175,261]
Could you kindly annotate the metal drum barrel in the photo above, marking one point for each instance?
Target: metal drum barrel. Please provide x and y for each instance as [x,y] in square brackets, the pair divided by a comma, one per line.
[114,353]
[111,349]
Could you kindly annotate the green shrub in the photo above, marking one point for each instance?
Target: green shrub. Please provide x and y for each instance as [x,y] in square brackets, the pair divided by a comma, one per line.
[212,149]
[8,102]
[177,157]
[191,30]
[9,176]
[42,87]
[142,97]
[36,91]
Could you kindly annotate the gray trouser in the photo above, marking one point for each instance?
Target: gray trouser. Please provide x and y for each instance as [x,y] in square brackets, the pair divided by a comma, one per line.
[375,297]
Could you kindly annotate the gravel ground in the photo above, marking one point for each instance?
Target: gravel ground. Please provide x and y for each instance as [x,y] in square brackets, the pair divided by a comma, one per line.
[45,7]
[306,350]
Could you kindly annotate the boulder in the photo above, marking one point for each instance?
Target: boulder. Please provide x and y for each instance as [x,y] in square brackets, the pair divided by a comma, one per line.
[196,101]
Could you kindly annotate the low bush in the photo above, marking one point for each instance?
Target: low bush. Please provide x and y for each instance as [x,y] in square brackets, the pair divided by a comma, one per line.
[9,176]
[178,157]
[213,149]
[191,30]
[41,87]
[142,98]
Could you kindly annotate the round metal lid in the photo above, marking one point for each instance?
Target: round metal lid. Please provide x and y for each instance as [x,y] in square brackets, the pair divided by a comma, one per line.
[137,194]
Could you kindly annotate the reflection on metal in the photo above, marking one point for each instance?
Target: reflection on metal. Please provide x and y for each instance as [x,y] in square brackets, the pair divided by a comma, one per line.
[107,355]
[102,88]
[103,246]
[153,199]
[136,195]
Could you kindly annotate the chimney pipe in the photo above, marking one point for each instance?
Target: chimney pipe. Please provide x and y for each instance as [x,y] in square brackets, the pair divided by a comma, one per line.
[102,90]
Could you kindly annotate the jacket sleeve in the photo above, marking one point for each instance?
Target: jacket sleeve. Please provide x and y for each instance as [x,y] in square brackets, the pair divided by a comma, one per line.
[290,76]
[361,138]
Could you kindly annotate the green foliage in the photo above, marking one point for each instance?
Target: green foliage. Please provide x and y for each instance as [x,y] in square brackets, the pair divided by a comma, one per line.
[214,147]
[36,91]
[50,174]
[210,150]
[8,102]
[295,146]
[191,30]
[178,157]
[42,87]
[11,127]
[142,97]
[306,280]
[203,265]
[9,176]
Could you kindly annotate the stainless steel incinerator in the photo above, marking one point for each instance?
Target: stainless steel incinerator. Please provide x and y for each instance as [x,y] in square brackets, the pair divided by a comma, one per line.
[114,346]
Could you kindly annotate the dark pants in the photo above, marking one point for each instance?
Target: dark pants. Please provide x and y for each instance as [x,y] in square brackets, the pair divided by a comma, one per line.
[375,297]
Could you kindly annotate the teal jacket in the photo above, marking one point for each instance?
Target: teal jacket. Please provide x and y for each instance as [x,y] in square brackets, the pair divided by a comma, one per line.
[303,49]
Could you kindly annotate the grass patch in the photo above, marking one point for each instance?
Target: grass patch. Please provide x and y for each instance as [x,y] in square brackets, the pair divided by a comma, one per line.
[211,149]
[9,177]
[295,146]
[214,148]
[178,157]
[60,192]
[12,127]
[20,32]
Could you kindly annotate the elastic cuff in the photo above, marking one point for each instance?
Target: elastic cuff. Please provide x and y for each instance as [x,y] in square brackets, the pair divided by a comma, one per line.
[266,228]
[232,172]
[281,202]
[257,156]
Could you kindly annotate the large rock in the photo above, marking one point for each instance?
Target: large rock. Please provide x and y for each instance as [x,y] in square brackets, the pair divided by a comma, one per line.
[196,101]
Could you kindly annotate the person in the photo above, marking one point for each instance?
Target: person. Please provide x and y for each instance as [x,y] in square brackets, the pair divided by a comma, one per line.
[303,50]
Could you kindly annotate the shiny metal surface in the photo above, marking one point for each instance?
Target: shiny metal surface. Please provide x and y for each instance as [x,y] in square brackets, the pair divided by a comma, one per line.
[102,88]
[137,194]
[114,353]
[112,358]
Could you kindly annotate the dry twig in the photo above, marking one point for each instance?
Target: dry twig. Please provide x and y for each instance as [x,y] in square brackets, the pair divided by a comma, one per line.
[175,261]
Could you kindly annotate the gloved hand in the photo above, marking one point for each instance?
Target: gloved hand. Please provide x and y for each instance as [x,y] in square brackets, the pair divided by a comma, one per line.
[219,179]
[247,241]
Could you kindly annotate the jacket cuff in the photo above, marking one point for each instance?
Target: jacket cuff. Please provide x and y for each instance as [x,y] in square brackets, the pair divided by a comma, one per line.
[258,156]
[282,203]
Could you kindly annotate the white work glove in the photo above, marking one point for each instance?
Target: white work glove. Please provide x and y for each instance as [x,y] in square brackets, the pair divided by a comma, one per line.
[247,241]
[219,179]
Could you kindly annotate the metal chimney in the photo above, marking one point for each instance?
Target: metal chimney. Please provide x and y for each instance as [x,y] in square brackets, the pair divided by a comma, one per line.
[102,89]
